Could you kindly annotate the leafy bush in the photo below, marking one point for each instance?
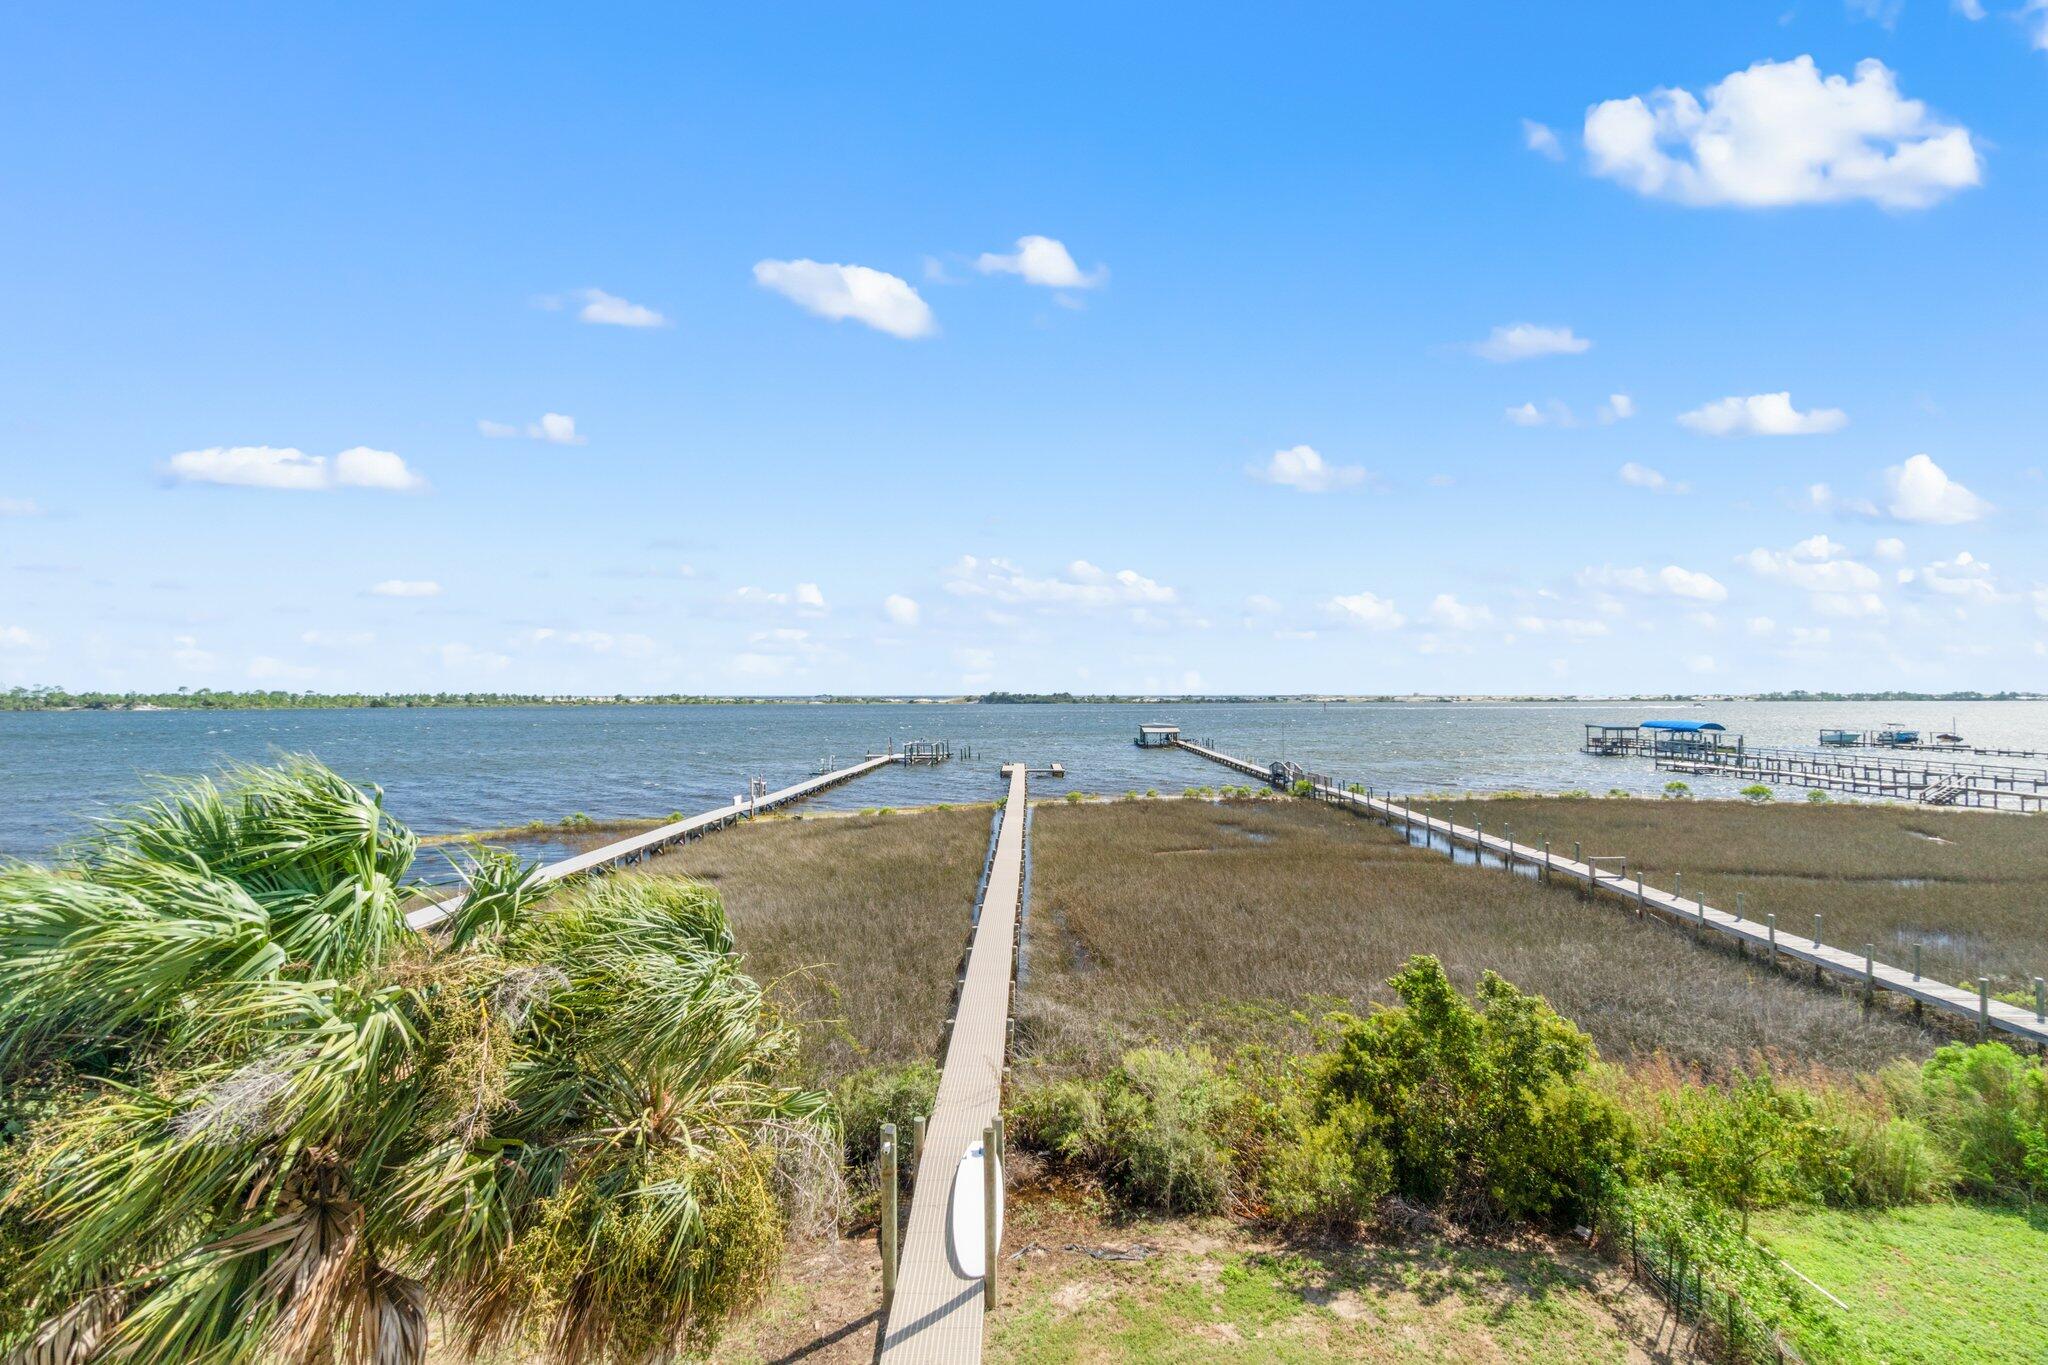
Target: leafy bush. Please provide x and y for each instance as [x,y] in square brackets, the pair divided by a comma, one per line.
[1487,1108]
[1988,1106]
[1676,791]
[1151,1129]
[1757,793]
[1303,787]
[1818,797]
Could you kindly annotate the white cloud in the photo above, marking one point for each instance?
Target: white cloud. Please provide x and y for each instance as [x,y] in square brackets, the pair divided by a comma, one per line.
[596,641]
[1082,586]
[1366,609]
[1762,414]
[1541,139]
[20,507]
[18,637]
[1891,547]
[263,668]
[1669,581]
[1447,611]
[186,652]
[1619,407]
[1551,414]
[1972,10]
[1808,637]
[1921,491]
[1043,261]
[295,471]
[1642,476]
[1304,470]
[612,311]
[1572,628]
[806,597]
[407,587]
[1260,604]
[1861,605]
[554,427]
[1761,625]
[457,656]
[1965,576]
[1528,341]
[901,610]
[1814,565]
[882,301]
[1780,133]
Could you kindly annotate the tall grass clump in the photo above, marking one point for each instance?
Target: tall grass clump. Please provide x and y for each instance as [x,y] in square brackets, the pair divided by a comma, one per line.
[253,1116]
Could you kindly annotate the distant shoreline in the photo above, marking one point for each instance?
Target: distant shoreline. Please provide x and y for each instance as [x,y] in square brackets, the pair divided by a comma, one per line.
[58,699]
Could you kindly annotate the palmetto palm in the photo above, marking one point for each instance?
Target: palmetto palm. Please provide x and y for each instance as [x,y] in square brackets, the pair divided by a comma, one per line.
[266,1120]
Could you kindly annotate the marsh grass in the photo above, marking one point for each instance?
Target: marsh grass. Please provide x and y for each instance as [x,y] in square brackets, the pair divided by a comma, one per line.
[1975,894]
[858,921]
[1232,922]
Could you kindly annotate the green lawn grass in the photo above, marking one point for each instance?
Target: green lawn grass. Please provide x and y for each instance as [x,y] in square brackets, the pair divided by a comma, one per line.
[1928,1283]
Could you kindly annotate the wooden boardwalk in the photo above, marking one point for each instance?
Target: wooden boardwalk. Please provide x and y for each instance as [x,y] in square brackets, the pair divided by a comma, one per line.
[1841,963]
[936,1318]
[655,842]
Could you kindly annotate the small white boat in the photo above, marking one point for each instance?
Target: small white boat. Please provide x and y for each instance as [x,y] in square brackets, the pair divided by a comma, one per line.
[970,1253]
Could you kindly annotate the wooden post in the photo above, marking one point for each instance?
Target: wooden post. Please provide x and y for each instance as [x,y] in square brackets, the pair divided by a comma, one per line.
[1869,972]
[916,1141]
[888,1214]
[1639,893]
[1983,1008]
[1546,857]
[1916,962]
[991,1182]
[2040,1000]
[1771,924]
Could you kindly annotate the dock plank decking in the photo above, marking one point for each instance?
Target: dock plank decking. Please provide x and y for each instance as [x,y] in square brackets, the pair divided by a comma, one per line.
[1841,963]
[936,1318]
[654,841]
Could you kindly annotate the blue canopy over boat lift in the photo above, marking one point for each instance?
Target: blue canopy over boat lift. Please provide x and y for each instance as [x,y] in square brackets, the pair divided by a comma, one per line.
[1655,737]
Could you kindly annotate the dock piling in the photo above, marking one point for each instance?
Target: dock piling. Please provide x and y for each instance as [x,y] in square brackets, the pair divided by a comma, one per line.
[2040,999]
[1771,926]
[991,1182]
[889,1221]
[1983,1008]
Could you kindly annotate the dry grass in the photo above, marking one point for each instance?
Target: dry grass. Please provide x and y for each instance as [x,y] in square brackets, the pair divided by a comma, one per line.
[861,921]
[1978,901]
[1179,920]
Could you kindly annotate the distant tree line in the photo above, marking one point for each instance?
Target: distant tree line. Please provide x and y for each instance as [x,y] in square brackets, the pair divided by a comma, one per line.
[207,699]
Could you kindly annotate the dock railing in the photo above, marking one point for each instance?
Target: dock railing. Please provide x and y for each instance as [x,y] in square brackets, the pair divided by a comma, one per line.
[1973,1005]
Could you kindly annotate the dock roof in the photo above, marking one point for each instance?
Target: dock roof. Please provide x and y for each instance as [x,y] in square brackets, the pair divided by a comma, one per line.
[1684,727]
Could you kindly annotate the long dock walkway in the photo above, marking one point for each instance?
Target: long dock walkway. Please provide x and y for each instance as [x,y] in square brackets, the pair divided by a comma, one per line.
[654,842]
[936,1318]
[1853,967]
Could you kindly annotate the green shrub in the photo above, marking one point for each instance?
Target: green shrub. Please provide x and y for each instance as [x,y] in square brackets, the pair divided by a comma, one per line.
[1988,1107]
[1303,787]
[1818,797]
[1757,793]
[1075,798]
[1617,794]
[1151,791]
[1150,1130]
[876,1095]
[1676,791]
[1486,1109]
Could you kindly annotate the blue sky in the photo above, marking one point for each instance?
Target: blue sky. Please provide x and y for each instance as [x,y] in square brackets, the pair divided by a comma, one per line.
[1478,348]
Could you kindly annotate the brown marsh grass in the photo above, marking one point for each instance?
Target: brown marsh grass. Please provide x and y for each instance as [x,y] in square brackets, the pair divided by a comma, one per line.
[859,920]
[1975,893]
[1181,920]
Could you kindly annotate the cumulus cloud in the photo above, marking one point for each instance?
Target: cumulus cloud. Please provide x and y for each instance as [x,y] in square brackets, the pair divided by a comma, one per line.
[609,310]
[460,657]
[1366,609]
[1619,407]
[901,610]
[1642,476]
[1781,133]
[806,597]
[882,301]
[1043,261]
[1965,576]
[595,641]
[556,428]
[407,587]
[1304,470]
[1921,491]
[1541,139]
[1082,585]
[1529,341]
[1816,564]
[19,637]
[289,470]
[1447,611]
[1857,605]
[1570,627]
[1891,547]
[20,507]
[1551,414]
[1762,414]
[1669,581]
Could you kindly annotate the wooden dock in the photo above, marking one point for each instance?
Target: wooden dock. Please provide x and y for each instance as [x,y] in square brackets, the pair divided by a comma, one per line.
[1934,782]
[936,1316]
[654,842]
[1854,968]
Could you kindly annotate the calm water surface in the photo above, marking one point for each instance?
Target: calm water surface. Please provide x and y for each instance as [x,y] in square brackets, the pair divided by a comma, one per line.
[446,770]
